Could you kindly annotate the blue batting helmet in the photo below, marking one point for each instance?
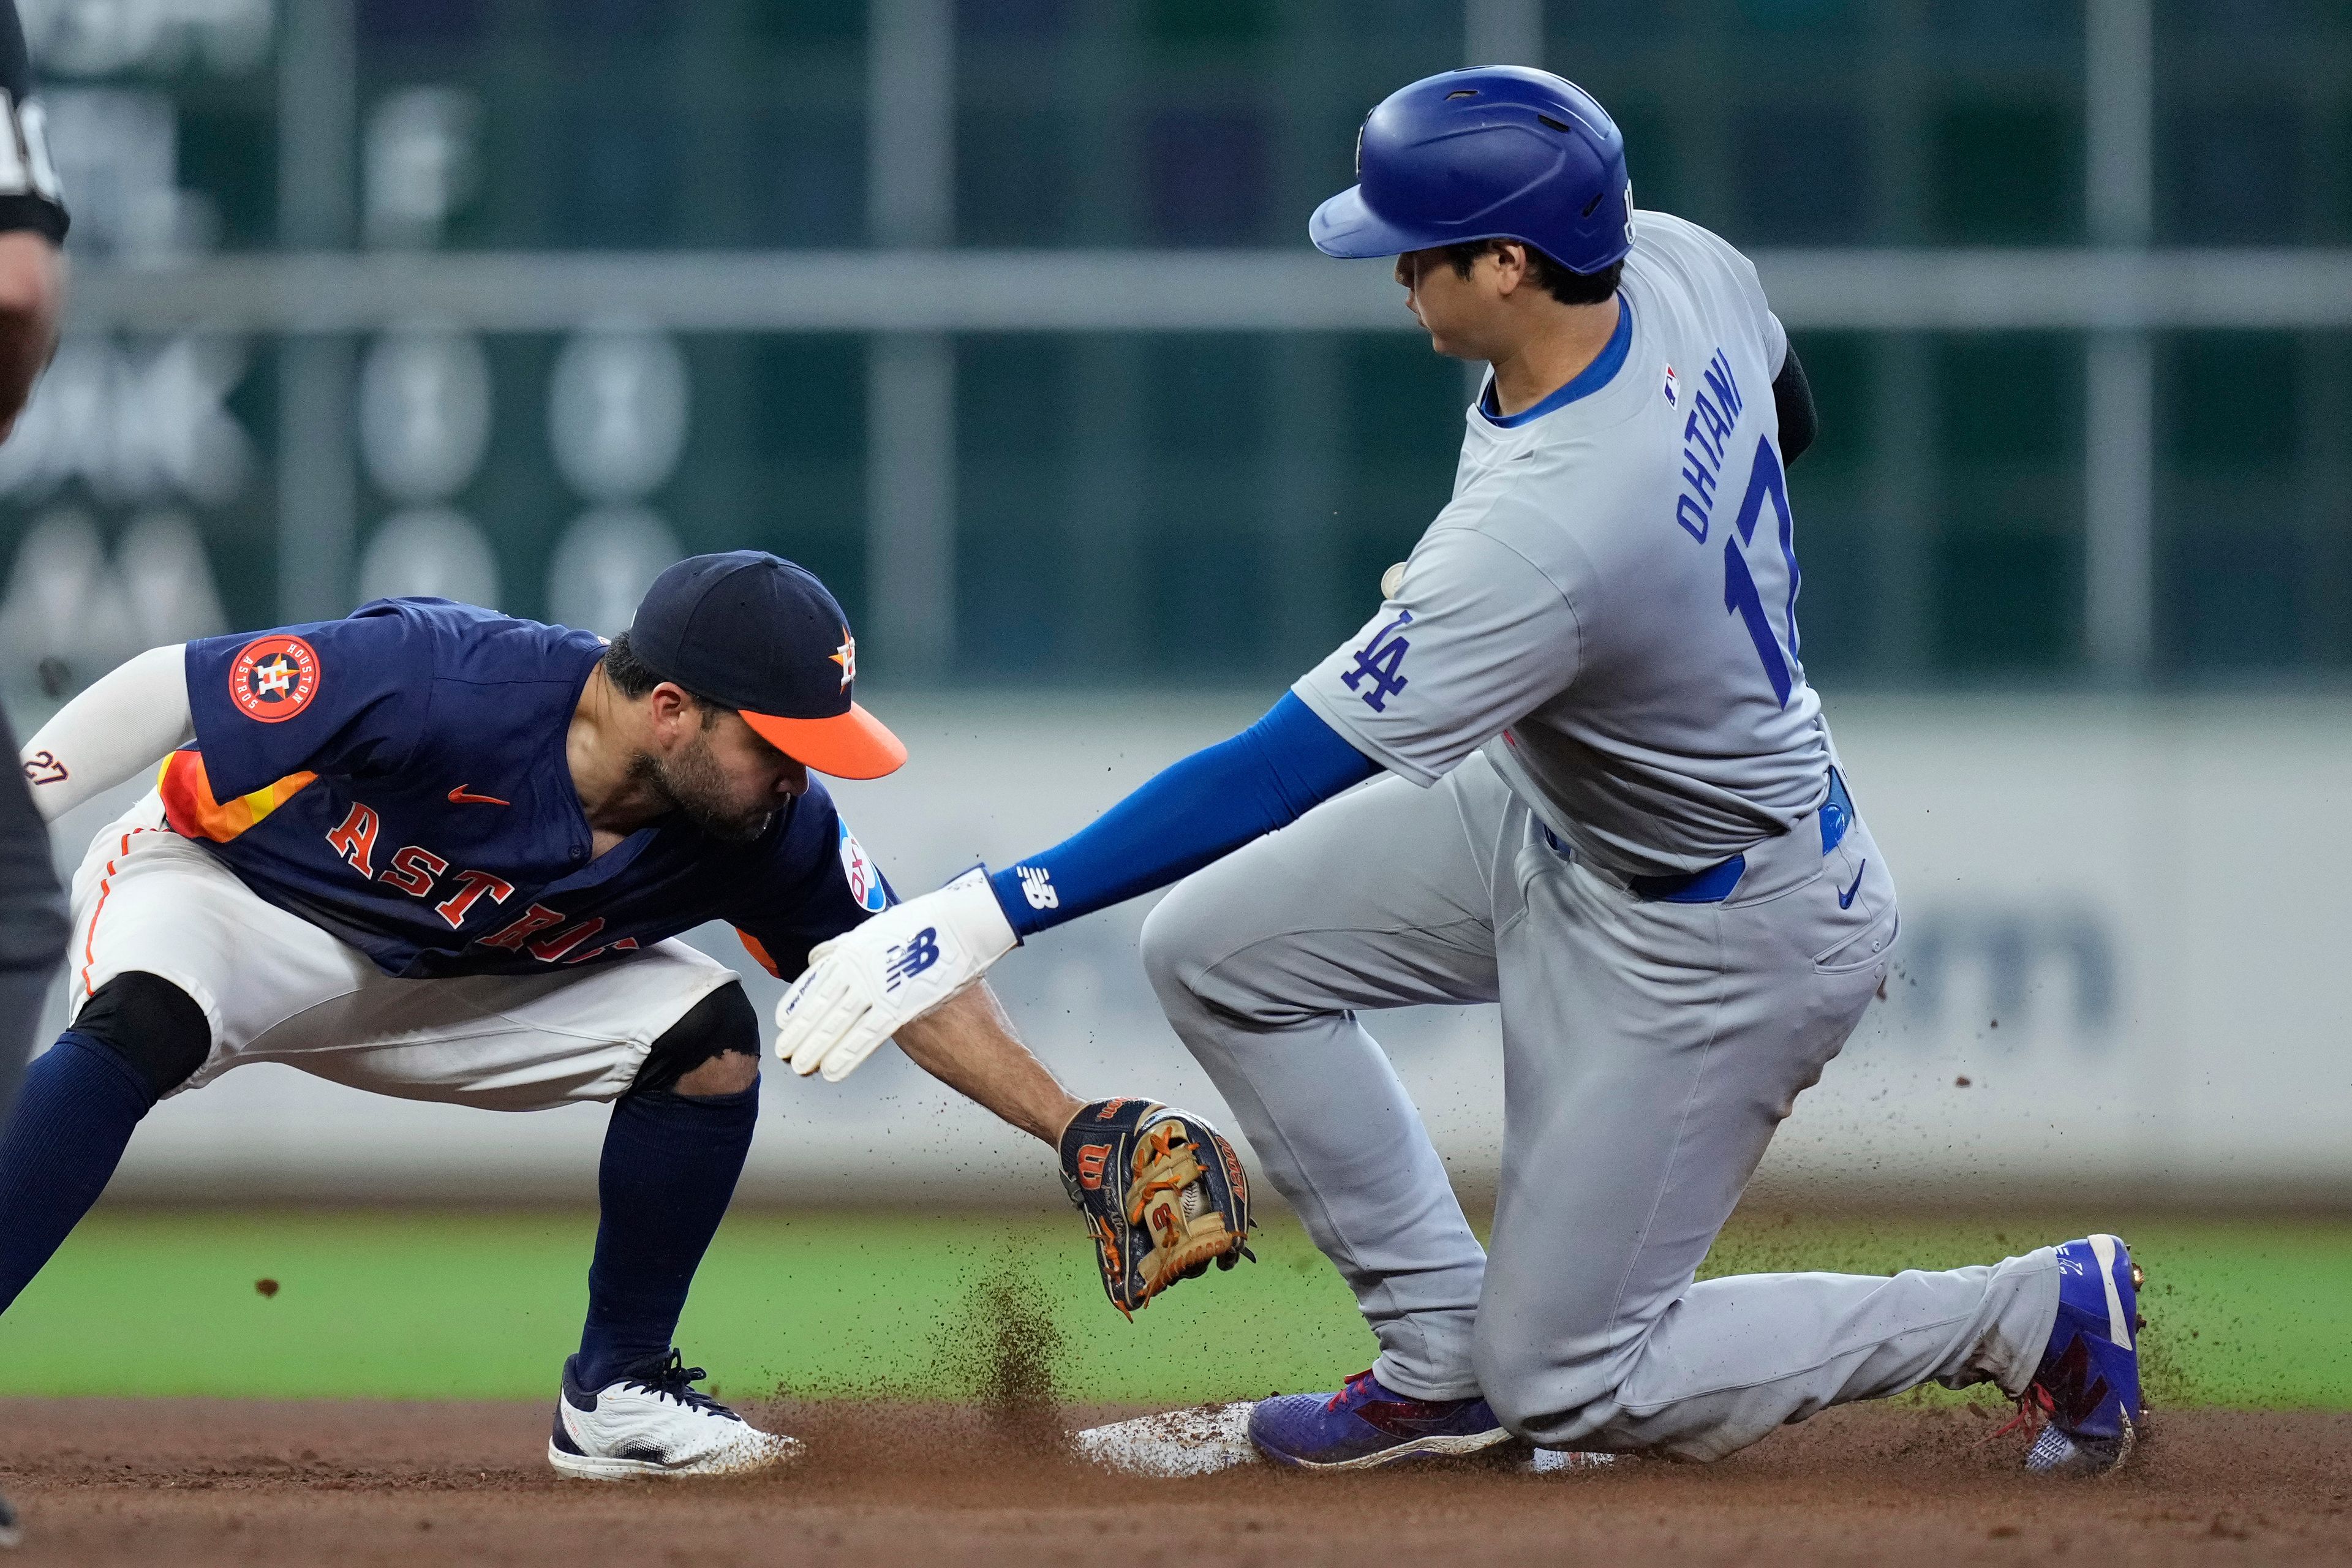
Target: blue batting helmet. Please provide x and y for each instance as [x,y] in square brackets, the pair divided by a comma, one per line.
[1491,152]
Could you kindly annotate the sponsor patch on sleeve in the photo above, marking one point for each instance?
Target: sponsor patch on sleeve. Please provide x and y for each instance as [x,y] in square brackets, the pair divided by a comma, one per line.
[273,678]
[864,881]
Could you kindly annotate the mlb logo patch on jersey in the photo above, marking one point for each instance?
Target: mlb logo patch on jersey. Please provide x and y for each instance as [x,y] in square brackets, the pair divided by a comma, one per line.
[864,881]
[1672,398]
[273,678]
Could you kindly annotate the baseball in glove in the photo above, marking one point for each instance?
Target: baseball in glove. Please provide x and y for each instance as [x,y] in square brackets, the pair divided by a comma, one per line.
[1163,1193]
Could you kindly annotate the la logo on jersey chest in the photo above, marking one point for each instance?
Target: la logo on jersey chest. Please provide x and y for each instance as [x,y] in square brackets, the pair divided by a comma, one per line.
[549,935]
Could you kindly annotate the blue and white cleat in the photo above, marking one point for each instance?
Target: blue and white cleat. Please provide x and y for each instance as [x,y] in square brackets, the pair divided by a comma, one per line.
[2083,1406]
[1367,1425]
[655,1422]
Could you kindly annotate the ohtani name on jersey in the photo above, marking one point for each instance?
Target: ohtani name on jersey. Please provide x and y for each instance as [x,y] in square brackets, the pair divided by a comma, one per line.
[421,874]
[1714,408]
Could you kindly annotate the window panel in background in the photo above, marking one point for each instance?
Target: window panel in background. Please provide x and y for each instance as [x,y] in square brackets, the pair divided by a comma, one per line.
[1572,25]
[2255,570]
[1802,172]
[641,123]
[2009,602]
[1840,536]
[1401,410]
[1212,585]
[1025,21]
[2332,184]
[2230,171]
[615,21]
[441,24]
[2007,23]
[1228,23]
[794,24]
[1207,174]
[2006,172]
[2200,20]
[2007,546]
[618,169]
[1017,527]
[805,177]
[1017,182]
[776,459]
[1780,17]
[228,151]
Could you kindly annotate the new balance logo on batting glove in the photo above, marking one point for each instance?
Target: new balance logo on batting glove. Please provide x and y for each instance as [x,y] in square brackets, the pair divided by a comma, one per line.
[906,962]
[862,986]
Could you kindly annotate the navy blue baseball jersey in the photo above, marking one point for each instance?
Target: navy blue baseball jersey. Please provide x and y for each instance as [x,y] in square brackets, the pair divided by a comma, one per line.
[399,779]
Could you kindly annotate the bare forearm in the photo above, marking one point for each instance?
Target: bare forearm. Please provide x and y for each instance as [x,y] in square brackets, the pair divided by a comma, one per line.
[968,1044]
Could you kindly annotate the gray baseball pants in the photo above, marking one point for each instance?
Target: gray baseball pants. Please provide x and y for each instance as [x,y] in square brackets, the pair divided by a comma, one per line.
[1649,1049]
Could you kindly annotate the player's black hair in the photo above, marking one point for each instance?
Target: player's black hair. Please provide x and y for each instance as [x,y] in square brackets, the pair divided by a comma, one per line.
[1550,275]
[632,677]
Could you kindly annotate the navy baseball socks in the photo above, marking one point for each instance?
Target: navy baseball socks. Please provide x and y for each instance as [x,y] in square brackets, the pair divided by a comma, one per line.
[669,1171]
[628,1407]
[80,1105]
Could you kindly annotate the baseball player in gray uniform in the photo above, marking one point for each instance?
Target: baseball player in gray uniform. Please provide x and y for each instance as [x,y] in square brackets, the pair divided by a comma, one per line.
[1611,806]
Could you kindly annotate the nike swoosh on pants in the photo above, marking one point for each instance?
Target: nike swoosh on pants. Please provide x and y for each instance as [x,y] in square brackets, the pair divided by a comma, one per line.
[1846,899]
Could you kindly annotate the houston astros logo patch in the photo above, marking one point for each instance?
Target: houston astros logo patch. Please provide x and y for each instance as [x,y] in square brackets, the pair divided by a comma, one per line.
[274,679]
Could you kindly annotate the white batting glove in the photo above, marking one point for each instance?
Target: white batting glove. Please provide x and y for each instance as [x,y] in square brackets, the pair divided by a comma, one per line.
[863,984]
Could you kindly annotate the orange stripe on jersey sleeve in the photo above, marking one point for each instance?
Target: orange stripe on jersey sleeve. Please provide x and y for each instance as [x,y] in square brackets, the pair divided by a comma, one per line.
[190,808]
[752,946]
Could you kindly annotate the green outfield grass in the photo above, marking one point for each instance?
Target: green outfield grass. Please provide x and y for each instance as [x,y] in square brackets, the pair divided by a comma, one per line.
[486,1306]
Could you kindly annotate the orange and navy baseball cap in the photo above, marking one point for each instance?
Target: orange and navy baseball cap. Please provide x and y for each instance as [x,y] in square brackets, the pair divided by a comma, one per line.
[762,635]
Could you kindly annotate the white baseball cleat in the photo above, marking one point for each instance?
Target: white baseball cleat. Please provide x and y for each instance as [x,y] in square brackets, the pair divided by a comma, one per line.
[654,1423]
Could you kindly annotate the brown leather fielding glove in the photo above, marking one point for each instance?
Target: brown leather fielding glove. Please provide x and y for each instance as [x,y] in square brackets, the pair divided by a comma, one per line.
[1163,1193]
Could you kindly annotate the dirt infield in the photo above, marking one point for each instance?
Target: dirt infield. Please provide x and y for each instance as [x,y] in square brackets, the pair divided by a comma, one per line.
[194,1483]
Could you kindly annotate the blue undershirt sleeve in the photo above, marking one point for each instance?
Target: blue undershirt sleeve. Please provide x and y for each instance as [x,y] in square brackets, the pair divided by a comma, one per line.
[1197,811]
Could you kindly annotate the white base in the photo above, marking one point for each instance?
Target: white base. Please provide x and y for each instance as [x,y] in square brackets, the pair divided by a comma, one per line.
[1558,1461]
[1197,1441]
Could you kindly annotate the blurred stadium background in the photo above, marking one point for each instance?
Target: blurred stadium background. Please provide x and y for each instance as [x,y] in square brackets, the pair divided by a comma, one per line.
[1000,315]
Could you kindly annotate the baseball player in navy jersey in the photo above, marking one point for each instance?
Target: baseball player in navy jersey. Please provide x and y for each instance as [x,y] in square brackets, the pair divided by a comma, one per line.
[1605,800]
[434,852]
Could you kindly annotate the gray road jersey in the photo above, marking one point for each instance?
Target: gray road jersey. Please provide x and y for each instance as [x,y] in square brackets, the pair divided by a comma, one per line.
[1608,604]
